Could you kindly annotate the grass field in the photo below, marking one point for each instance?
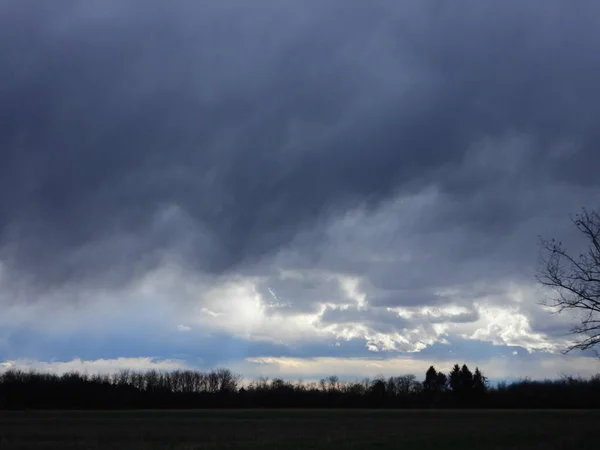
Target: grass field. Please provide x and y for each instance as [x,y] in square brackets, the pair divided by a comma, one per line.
[300,429]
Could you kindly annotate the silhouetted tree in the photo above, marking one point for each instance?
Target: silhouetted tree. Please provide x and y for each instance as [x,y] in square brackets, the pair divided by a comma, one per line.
[434,386]
[466,378]
[480,383]
[377,393]
[455,379]
[227,381]
[461,383]
[430,383]
[407,385]
[442,382]
[192,389]
[575,279]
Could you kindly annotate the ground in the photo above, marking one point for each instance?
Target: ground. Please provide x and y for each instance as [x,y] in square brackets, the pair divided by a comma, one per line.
[300,429]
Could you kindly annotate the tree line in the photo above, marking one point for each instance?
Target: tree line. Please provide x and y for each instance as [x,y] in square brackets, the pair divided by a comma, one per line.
[221,388]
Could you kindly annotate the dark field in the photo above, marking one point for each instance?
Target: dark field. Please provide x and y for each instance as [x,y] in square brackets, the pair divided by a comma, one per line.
[299,429]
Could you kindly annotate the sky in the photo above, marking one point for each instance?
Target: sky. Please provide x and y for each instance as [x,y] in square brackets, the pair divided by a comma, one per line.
[292,189]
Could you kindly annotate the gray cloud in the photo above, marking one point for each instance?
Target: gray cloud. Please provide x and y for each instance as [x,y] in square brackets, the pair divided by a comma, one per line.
[381,320]
[303,294]
[224,133]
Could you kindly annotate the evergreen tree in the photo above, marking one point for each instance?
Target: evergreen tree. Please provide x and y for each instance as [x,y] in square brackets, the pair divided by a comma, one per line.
[441,382]
[466,380]
[479,383]
[430,383]
[455,379]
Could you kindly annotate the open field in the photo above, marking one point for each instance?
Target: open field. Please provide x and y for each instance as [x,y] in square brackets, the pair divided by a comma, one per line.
[299,429]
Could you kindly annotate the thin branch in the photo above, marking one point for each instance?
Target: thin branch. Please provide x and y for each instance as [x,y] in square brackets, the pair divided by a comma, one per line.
[576,280]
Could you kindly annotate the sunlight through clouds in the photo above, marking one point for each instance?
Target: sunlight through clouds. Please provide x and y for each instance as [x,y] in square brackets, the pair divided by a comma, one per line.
[291,185]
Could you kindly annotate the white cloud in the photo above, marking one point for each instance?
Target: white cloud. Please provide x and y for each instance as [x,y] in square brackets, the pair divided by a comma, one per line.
[505,319]
[509,327]
[373,267]
[102,366]
[175,299]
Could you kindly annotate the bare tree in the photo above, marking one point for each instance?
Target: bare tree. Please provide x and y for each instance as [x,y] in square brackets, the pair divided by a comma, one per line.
[213,382]
[575,280]
[122,378]
[227,381]
[333,383]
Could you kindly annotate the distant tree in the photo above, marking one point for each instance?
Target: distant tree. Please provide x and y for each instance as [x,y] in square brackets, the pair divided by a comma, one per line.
[575,279]
[323,384]
[212,379]
[152,380]
[466,379]
[431,381]
[122,378]
[442,381]
[391,387]
[434,386]
[227,381]
[333,383]
[378,392]
[378,387]
[480,383]
[366,384]
[183,389]
[262,383]
[407,385]
[455,380]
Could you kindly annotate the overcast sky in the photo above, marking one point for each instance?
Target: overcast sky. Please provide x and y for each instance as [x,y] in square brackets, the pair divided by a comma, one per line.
[292,188]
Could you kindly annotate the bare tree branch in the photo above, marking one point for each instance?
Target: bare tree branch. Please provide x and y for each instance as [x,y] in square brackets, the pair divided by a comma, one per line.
[575,280]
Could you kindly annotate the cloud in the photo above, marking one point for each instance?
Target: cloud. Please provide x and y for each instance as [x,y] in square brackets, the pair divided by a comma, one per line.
[131,133]
[101,366]
[341,176]
[239,309]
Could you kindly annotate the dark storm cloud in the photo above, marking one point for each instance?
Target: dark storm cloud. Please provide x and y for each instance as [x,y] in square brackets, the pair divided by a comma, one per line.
[219,130]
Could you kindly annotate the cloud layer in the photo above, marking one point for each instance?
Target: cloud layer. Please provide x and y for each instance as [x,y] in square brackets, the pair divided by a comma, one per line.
[333,178]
